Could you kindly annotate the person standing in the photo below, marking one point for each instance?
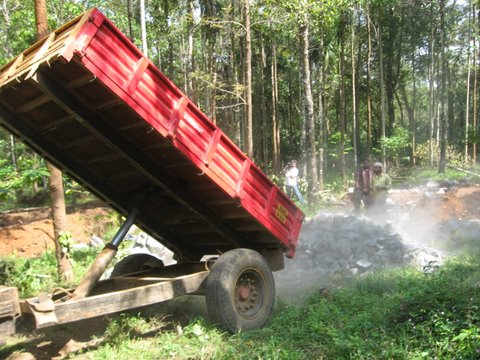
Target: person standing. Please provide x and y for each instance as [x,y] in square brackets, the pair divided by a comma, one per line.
[362,189]
[381,183]
[291,176]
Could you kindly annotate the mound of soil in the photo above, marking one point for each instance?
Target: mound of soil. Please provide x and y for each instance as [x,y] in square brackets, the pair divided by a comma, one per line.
[29,232]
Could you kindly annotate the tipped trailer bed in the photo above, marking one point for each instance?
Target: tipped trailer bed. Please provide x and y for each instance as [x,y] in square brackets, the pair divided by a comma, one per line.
[92,104]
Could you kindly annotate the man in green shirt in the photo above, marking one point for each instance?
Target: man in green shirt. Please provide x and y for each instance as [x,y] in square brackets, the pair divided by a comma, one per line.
[381,183]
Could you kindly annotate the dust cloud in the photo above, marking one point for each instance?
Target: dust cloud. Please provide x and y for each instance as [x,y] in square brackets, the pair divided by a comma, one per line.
[335,247]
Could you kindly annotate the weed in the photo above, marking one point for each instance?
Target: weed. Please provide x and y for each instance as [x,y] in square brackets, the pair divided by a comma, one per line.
[391,314]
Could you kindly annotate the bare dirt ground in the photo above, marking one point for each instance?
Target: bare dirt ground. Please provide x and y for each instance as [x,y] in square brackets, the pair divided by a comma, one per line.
[29,233]
[456,203]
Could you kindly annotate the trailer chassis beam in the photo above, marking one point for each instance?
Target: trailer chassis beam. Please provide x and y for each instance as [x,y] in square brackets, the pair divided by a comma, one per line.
[135,292]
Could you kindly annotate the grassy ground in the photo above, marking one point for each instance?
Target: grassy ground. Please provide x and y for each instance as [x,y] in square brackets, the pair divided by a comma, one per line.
[396,314]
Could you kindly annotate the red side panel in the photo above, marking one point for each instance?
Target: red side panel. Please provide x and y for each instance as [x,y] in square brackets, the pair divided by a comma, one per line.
[136,95]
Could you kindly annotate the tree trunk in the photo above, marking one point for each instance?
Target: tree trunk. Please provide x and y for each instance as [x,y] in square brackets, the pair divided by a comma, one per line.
[476,57]
[143,26]
[263,109]
[275,123]
[236,70]
[450,104]
[443,120]
[413,118]
[321,118]
[248,82]
[467,111]
[342,106]
[382,86]
[13,154]
[431,108]
[129,19]
[56,185]
[59,222]
[368,89]
[356,127]
[190,57]
[169,66]
[311,159]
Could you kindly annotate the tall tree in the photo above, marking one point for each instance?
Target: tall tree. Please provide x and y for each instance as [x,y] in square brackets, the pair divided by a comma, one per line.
[56,182]
[431,83]
[443,88]
[368,85]
[356,127]
[143,27]
[476,57]
[381,83]
[248,82]
[342,99]
[275,122]
[311,158]
[467,98]
[191,91]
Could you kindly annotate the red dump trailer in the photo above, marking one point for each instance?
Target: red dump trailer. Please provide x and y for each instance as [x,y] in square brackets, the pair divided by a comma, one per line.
[89,101]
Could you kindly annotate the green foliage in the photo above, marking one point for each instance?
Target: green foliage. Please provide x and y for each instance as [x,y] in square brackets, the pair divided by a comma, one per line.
[17,28]
[66,241]
[423,174]
[19,179]
[397,145]
[422,154]
[129,335]
[34,275]
[30,276]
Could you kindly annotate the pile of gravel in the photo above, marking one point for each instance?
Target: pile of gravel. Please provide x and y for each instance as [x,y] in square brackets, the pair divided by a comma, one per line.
[333,246]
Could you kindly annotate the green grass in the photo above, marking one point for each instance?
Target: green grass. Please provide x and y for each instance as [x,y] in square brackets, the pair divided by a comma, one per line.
[423,174]
[394,314]
[34,275]
[397,314]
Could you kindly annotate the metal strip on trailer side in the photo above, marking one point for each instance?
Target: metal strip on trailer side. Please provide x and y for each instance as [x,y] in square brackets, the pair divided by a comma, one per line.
[92,103]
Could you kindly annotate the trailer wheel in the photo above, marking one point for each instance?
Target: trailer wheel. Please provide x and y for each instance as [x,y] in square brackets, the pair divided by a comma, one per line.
[134,263]
[240,290]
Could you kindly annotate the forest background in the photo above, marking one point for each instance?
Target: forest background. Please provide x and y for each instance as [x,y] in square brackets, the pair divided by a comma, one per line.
[328,83]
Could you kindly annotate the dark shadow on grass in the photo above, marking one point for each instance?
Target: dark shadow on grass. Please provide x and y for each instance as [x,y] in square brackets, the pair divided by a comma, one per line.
[88,335]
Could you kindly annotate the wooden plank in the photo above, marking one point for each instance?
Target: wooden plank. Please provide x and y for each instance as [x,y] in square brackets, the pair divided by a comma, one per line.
[9,305]
[32,104]
[74,310]
[81,81]
[54,123]
[81,31]
[40,54]
[12,68]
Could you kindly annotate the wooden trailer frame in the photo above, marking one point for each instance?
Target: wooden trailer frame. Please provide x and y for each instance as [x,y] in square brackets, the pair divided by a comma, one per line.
[89,101]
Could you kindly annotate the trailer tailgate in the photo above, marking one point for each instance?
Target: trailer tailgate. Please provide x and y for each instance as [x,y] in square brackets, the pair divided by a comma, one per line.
[90,102]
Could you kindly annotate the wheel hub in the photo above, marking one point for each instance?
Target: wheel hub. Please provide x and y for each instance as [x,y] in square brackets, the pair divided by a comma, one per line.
[247,290]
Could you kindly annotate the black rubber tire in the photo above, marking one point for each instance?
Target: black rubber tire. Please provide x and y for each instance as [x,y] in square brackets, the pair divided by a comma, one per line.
[240,290]
[134,263]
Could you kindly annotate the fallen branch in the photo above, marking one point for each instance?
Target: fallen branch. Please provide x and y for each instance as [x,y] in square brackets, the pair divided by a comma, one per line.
[463,170]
